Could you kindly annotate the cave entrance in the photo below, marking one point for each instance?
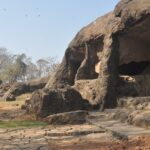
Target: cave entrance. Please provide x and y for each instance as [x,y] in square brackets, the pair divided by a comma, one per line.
[134,47]
[135,68]
[134,60]
[90,65]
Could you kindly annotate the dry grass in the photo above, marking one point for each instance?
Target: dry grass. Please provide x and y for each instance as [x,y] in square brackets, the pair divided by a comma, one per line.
[11,114]
[17,103]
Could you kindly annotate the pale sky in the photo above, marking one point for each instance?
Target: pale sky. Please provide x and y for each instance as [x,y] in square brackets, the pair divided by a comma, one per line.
[42,28]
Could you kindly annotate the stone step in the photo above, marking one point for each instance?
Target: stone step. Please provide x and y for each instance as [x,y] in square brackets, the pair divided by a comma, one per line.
[118,129]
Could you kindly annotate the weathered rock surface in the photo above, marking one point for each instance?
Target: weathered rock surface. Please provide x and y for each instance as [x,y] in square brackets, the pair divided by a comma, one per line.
[27,87]
[73,117]
[46,102]
[118,129]
[140,118]
[88,90]
[135,111]
[113,45]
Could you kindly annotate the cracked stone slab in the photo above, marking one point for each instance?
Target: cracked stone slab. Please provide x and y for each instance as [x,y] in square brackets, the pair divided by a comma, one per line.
[101,119]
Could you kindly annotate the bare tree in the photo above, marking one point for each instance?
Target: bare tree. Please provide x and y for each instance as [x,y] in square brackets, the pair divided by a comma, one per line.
[21,68]
[5,58]
[31,72]
[46,66]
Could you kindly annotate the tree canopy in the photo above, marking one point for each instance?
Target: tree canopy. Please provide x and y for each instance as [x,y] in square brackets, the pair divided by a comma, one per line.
[21,68]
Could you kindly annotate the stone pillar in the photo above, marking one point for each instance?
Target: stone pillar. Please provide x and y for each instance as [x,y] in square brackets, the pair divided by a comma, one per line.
[109,73]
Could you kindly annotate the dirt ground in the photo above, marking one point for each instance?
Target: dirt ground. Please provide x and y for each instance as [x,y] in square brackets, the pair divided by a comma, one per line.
[69,137]
[137,143]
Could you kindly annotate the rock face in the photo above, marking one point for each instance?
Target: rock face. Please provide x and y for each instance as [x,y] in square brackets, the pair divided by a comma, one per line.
[114,45]
[47,102]
[133,110]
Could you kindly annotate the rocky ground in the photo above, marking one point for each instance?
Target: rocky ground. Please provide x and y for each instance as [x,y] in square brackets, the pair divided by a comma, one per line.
[70,138]
[96,134]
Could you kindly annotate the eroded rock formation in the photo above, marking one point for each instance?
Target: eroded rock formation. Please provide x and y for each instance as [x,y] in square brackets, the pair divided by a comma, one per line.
[22,87]
[114,45]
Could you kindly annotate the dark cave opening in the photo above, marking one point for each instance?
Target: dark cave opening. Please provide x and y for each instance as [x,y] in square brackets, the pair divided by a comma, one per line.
[133,68]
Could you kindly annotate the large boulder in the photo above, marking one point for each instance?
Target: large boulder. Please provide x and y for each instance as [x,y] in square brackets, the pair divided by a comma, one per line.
[47,102]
